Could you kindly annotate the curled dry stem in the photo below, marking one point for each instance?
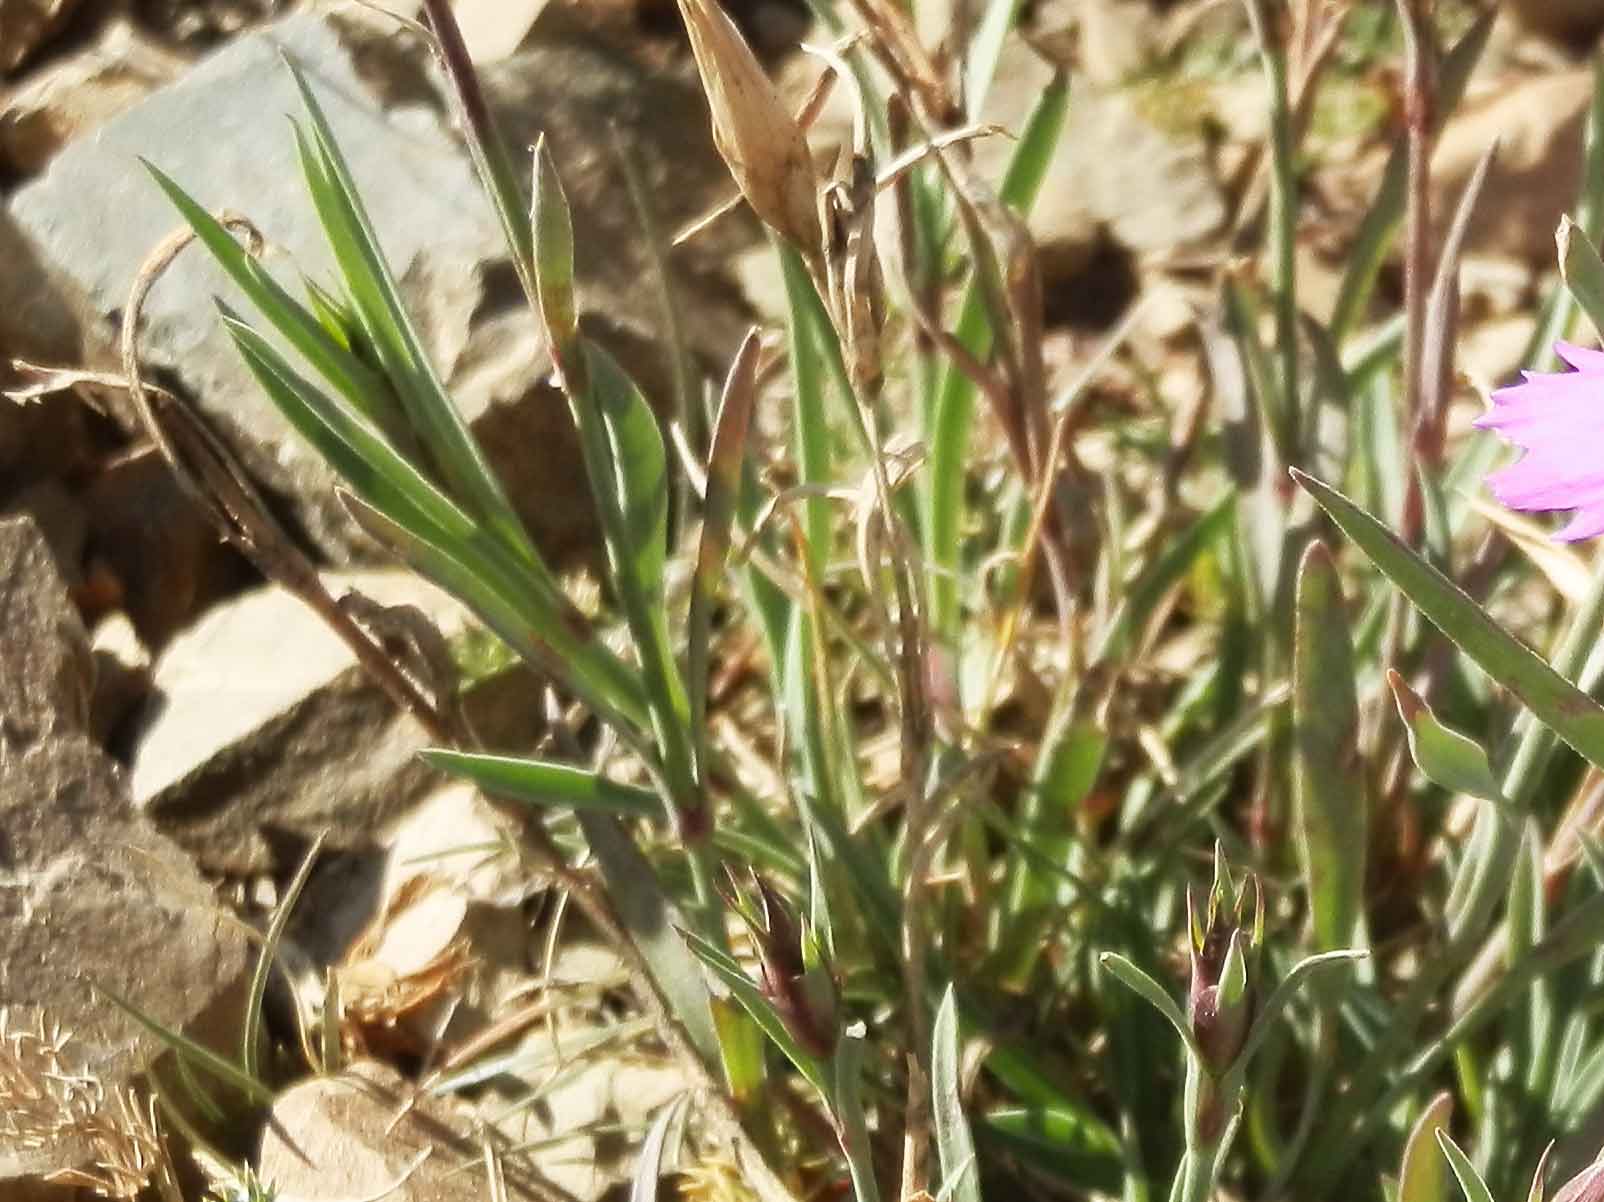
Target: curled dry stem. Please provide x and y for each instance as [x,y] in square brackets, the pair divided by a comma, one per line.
[215,480]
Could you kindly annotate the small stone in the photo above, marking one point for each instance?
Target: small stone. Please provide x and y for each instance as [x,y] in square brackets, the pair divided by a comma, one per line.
[456,835]
[45,666]
[267,731]
[122,676]
[364,1133]
[495,29]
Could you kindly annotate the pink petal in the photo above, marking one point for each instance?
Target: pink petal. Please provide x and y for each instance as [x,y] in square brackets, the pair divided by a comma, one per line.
[1557,418]
[1580,357]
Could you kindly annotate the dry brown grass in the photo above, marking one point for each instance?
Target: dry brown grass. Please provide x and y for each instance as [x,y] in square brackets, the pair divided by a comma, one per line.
[48,1097]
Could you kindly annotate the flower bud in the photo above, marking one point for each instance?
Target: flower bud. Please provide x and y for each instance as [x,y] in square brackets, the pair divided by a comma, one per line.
[794,969]
[762,144]
[1223,997]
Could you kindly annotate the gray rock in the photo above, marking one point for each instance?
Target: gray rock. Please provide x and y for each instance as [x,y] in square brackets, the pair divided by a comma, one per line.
[44,318]
[266,731]
[219,132]
[216,131]
[45,666]
[92,899]
[365,1133]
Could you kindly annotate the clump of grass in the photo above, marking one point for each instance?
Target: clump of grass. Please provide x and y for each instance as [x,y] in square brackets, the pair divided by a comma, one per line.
[1006,710]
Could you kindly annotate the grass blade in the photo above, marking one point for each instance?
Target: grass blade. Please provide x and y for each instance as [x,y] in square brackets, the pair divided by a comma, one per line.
[439,425]
[954,1142]
[1423,1177]
[251,1028]
[649,1168]
[654,924]
[1569,712]
[1154,993]
[1475,1189]
[190,1052]
[495,166]
[754,1003]
[556,641]
[1446,758]
[544,783]
[1581,270]
[718,513]
[951,412]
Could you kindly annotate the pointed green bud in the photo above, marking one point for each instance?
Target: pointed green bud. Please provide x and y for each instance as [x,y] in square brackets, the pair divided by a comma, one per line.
[794,970]
[554,254]
[1223,997]
[1224,891]
[1234,976]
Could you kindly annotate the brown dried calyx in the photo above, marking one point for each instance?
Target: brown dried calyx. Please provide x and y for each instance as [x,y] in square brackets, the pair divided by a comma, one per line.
[763,145]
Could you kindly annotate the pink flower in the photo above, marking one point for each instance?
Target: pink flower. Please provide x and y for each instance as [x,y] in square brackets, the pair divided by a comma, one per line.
[1557,418]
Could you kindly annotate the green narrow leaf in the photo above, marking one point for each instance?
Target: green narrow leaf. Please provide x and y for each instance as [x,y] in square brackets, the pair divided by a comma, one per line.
[1163,574]
[1423,1177]
[1329,805]
[1582,271]
[251,1028]
[811,430]
[954,1143]
[741,1044]
[982,51]
[655,926]
[640,469]
[1470,1181]
[724,461]
[649,1167]
[1310,973]
[754,1003]
[553,226]
[1154,993]
[951,412]
[399,506]
[1060,1143]
[630,478]
[191,1053]
[1447,758]
[438,423]
[544,783]
[1572,715]
[361,455]
[557,641]
[348,375]
[847,1104]
[1451,761]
